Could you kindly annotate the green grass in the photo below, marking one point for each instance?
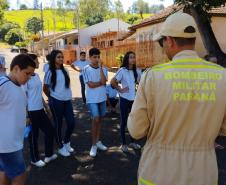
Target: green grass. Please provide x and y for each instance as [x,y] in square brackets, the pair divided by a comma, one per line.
[22,16]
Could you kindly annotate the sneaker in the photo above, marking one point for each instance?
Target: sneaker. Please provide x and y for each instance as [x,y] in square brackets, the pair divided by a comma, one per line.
[68,147]
[100,146]
[135,146]
[63,151]
[124,148]
[51,158]
[39,163]
[93,151]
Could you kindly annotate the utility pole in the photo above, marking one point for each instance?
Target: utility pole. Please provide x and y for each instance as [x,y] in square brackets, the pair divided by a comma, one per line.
[54,18]
[78,24]
[43,44]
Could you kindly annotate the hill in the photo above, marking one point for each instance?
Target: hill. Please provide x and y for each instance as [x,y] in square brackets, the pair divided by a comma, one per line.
[21,16]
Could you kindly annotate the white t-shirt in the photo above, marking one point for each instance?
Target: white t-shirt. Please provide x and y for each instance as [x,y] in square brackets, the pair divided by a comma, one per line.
[33,89]
[2,61]
[60,92]
[126,78]
[46,68]
[12,116]
[94,95]
[2,74]
[80,64]
[112,93]
[2,64]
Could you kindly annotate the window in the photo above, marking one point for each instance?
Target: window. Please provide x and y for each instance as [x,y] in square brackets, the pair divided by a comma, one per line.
[111,43]
[76,42]
[65,41]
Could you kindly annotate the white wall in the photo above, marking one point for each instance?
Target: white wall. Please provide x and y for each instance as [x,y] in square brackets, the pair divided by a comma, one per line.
[109,25]
[219,27]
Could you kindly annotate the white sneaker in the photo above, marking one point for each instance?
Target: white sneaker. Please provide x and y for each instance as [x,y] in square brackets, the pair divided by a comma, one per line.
[68,147]
[51,158]
[93,151]
[63,151]
[135,146]
[101,146]
[39,163]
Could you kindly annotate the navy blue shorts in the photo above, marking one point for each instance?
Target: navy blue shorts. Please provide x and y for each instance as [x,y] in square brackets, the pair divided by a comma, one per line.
[12,164]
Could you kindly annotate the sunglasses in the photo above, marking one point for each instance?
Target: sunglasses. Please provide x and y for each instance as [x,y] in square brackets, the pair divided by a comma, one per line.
[161,41]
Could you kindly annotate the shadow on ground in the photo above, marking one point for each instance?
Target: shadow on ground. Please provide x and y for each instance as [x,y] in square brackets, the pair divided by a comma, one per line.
[108,168]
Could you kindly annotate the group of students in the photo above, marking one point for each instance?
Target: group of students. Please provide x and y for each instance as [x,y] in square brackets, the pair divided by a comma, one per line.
[93,78]
[56,86]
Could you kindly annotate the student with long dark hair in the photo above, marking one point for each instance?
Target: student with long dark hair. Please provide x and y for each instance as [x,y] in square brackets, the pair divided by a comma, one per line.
[38,119]
[57,88]
[125,81]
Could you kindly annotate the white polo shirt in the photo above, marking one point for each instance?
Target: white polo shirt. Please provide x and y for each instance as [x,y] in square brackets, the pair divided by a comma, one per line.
[98,94]
[126,78]
[12,116]
[60,92]
[33,89]
[112,93]
[80,64]
[46,68]
[2,64]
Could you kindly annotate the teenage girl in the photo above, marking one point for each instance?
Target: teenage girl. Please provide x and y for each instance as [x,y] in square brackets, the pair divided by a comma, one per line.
[57,88]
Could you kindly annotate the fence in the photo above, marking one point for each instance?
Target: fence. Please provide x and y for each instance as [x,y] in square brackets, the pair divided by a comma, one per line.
[148,54]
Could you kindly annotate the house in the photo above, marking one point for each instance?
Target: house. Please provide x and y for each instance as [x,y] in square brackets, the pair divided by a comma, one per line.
[73,41]
[144,31]
[109,26]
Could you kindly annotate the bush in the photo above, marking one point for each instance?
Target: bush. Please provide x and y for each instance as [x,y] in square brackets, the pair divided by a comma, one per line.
[4,29]
[22,44]
[13,36]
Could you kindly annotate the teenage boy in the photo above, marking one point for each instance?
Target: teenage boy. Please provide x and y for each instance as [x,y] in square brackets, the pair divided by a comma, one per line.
[95,78]
[13,120]
[79,66]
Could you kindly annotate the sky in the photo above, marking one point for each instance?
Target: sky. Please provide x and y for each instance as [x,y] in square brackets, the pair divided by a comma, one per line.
[126,3]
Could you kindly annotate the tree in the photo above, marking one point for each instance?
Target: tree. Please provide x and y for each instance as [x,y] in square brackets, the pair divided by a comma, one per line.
[23,7]
[4,29]
[156,8]
[199,10]
[61,10]
[141,7]
[132,19]
[3,6]
[13,36]
[94,19]
[119,9]
[34,25]
[94,9]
